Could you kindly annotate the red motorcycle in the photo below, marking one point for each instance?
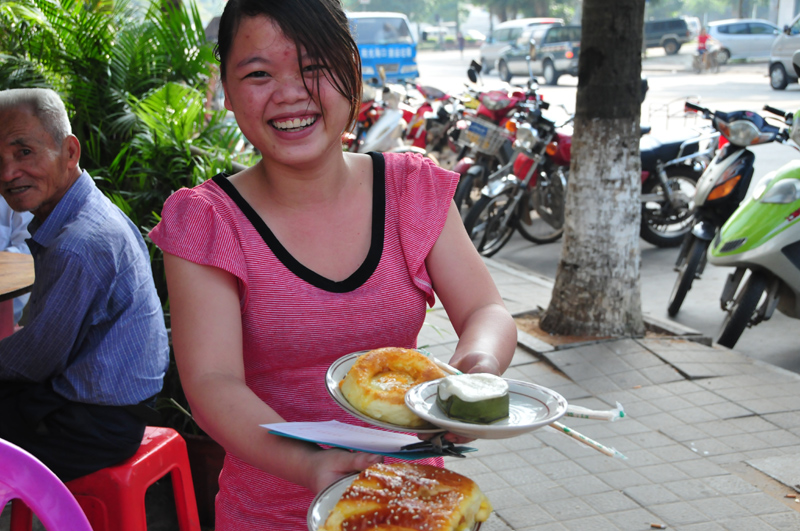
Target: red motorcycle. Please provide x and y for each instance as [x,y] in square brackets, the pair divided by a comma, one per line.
[486,137]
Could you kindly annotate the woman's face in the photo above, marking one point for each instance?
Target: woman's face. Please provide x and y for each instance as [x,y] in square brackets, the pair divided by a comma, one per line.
[264,89]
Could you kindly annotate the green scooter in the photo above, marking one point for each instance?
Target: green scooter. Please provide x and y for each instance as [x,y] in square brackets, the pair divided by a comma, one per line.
[761,238]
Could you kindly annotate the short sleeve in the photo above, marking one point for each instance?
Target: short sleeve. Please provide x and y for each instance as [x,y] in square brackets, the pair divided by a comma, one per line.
[200,227]
[425,192]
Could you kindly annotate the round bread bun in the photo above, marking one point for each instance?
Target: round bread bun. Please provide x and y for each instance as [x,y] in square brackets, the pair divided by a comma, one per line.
[377,383]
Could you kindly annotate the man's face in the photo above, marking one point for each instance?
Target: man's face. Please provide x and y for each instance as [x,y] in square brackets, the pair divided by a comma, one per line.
[35,172]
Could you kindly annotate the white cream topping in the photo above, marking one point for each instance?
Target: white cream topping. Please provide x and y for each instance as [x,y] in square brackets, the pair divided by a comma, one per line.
[472,387]
[293,124]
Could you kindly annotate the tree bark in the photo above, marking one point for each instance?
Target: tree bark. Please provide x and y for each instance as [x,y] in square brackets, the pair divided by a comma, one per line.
[597,291]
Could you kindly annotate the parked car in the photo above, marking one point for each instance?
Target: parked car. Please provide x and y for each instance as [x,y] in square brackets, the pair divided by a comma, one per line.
[781,71]
[668,33]
[507,33]
[694,26]
[745,38]
[553,51]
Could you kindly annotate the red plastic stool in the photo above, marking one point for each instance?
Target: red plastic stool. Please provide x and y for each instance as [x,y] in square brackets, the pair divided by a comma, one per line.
[113,498]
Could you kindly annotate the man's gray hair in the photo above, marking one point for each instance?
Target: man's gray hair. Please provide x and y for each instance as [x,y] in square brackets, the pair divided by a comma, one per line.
[45,104]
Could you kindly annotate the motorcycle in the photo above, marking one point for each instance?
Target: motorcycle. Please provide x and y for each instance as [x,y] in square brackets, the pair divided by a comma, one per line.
[762,237]
[721,188]
[707,61]
[485,137]
[671,167]
[533,203]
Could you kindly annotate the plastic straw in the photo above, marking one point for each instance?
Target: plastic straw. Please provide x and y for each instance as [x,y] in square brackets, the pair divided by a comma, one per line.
[586,413]
[611,452]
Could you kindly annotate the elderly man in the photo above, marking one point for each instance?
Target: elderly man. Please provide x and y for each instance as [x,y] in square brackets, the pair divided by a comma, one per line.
[78,381]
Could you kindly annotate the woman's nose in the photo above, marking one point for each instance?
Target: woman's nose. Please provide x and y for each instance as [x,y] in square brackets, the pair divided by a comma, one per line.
[290,89]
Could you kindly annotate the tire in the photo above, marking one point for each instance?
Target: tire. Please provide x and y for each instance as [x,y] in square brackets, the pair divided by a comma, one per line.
[697,64]
[482,224]
[550,73]
[723,56]
[777,77]
[503,71]
[486,67]
[467,193]
[671,46]
[742,310]
[544,207]
[661,225]
[686,274]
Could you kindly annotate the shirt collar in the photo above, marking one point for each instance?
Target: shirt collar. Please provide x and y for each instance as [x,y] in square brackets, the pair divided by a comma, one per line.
[44,232]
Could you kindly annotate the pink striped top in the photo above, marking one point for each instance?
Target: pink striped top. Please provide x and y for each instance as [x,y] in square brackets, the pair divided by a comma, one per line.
[295,322]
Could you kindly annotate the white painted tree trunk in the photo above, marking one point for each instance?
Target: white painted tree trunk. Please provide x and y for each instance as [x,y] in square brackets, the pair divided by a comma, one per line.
[597,289]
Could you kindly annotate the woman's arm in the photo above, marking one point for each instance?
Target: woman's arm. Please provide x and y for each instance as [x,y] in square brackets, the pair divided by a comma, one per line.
[487,335]
[207,338]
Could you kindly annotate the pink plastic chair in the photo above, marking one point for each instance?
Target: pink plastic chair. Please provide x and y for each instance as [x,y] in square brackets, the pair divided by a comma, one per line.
[24,477]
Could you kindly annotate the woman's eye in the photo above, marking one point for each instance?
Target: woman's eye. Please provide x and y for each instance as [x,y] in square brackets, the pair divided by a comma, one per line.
[257,74]
[313,69]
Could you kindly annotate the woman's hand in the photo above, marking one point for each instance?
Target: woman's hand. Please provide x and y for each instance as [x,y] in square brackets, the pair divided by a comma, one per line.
[476,362]
[331,465]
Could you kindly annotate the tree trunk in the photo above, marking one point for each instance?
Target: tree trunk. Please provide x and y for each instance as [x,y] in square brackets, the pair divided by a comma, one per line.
[597,292]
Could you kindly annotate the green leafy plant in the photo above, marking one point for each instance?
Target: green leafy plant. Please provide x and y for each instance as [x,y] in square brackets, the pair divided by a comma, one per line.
[135,83]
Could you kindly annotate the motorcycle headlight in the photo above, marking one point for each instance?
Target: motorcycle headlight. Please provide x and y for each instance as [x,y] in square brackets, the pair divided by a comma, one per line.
[494,104]
[527,137]
[740,132]
[787,191]
[758,191]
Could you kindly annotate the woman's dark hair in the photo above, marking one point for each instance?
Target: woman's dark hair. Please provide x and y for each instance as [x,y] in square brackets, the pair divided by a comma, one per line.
[318,26]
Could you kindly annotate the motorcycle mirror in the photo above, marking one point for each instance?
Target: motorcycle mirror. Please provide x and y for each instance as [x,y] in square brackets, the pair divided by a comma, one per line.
[382,74]
[472,74]
[532,48]
[796,62]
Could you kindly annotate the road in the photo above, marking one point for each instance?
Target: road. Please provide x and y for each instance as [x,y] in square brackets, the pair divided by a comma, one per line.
[743,86]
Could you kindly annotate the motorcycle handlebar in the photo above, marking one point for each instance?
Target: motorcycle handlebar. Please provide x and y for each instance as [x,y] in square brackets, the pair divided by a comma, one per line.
[696,108]
[773,110]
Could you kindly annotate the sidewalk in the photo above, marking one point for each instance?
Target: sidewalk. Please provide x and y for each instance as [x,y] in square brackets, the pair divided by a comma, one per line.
[712,437]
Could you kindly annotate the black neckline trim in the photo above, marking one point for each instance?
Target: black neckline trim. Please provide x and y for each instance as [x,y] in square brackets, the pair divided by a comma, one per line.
[364,271]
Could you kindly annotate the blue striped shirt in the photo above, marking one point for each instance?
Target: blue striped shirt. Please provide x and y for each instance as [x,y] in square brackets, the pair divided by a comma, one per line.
[95,328]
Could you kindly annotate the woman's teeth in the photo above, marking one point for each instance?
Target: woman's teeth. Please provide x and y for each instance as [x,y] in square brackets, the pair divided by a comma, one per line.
[290,125]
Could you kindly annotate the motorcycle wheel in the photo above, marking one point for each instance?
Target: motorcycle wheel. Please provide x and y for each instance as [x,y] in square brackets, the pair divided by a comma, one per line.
[686,274]
[467,194]
[484,223]
[541,215]
[661,225]
[742,310]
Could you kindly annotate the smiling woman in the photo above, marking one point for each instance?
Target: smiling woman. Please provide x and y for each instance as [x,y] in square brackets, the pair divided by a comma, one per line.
[280,270]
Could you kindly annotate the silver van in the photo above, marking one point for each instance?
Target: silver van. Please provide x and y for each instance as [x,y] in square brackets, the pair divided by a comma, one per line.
[507,33]
[781,72]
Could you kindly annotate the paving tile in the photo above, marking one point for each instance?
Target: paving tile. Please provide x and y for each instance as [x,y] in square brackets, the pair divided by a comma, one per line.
[661,420]
[678,513]
[506,498]
[651,439]
[543,491]
[759,503]
[673,403]
[663,374]
[622,479]
[468,467]
[584,485]
[696,415]
[727,410]
[601,463]
[721,428]
[704,398]
[752,424]
[730,485]
[710,446]
[592,523]
[662,473]
[623,443]
[520,476]
[561,469]
[701,468]
[703,526]
[693,489]
[487,447]
[786,520]
[647,495]
[568,509]
[742,442]
[643,458]
[720,508]
[525,517]
[676,453]
[628,427]
[547,527]
[778,438]
[762,406]
[610,502]
[684,433]
[639,409]
[598,384]
[786,420]
[641,360]
[633,520]
[504,461]
[490,482]
[538,456]
[752,523]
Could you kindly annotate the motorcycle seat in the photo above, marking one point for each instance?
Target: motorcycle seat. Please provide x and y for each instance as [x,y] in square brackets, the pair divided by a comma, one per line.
[653,149]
